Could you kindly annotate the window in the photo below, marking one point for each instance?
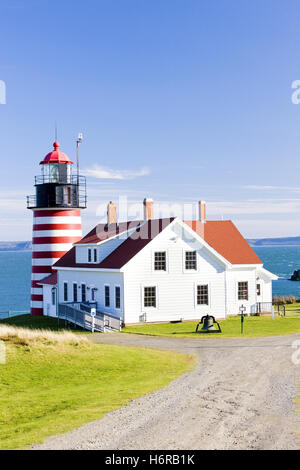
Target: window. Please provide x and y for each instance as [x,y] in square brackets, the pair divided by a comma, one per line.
[243,290]
[93,293]
[65,292]
[75,296]
[53,295]
[83,292]
[107,296]
[67,195]
[258,289]
[202,295]
[190,260]
[89,255]
[149,296]
[160,263]
[118,297]
[95,255]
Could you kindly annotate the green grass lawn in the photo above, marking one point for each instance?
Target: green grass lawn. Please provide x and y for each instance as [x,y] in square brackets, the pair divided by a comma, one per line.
[36,323]
[48,388]
[292,310]
[253,326]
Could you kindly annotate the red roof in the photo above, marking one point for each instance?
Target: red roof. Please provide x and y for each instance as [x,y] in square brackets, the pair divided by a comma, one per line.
[103,231]
[51,280]
[124,252]
[224,237]
[56,156]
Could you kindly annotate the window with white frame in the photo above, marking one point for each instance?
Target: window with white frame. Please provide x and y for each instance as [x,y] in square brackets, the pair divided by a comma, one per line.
[258,289]
[243,290]
[53,295]
[191,260]
[150,296]
[107,296]
[83,293]
[65,292]
[202,294]
[75,293]
[89,255]
[160,261]
[117,297]
[95,255]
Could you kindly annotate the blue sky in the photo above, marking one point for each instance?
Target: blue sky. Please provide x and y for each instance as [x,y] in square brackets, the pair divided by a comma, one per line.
[178,100]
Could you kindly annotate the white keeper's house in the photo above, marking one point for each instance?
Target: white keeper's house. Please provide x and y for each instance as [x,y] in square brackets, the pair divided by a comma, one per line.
[160,270]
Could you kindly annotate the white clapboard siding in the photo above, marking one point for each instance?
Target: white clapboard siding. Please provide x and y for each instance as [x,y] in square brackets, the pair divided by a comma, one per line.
[92,279]
[175,287]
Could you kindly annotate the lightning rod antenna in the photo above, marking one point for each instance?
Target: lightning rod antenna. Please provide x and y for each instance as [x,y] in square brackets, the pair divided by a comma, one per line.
[78,141]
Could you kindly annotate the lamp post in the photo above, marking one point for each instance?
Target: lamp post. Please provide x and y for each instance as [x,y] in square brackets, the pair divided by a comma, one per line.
[242,312]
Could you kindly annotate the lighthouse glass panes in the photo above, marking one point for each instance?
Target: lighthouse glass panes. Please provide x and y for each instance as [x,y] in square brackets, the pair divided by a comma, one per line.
[243,291]
[56,173]
[150,297]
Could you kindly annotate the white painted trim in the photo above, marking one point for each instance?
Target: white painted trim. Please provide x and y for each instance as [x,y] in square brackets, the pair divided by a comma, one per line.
[202,306]
[63,284]
[160,272]
[60,268]
[237,290]
[190,271]
[104,303]
[117,308]
[151,309]
[267,273]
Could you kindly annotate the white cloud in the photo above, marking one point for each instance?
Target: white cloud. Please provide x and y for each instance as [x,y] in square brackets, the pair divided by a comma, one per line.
[273,188]
[102,172]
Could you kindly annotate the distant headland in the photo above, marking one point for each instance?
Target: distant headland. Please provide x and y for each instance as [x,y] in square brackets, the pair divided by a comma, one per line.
[15,246]
[284,241]
[254,242]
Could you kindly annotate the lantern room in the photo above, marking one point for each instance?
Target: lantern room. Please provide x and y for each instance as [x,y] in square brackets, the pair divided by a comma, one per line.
[56,186]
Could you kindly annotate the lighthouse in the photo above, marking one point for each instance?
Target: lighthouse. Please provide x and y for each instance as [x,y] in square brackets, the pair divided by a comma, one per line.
[59,197]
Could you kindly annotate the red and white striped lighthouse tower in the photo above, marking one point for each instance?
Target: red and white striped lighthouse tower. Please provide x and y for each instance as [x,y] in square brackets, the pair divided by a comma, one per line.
[56,217]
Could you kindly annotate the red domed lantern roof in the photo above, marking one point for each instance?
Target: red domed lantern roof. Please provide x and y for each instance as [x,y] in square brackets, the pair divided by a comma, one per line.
[56,156]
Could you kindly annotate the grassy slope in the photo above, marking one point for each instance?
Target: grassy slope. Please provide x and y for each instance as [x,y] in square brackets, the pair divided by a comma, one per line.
[253,326]
[28,321]
[46,389]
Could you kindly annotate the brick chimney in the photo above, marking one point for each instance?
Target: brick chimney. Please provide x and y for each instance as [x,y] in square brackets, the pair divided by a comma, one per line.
[111,213]
[202,211]
[148,209]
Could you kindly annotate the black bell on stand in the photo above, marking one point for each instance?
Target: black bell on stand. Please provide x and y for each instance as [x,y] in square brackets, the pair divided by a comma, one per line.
[208,322]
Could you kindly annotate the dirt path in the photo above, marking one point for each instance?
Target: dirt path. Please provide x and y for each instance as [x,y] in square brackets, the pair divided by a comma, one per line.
[240,396]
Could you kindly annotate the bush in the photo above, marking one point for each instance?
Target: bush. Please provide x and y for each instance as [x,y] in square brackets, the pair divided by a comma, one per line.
[289,299]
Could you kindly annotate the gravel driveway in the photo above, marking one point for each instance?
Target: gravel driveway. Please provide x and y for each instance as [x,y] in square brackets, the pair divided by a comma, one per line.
[241,395]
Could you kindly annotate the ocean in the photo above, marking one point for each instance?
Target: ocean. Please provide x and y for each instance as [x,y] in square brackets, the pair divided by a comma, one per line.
[15,271]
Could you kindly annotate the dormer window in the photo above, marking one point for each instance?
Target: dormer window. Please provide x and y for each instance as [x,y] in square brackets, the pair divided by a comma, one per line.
[89,255]
[95,255]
